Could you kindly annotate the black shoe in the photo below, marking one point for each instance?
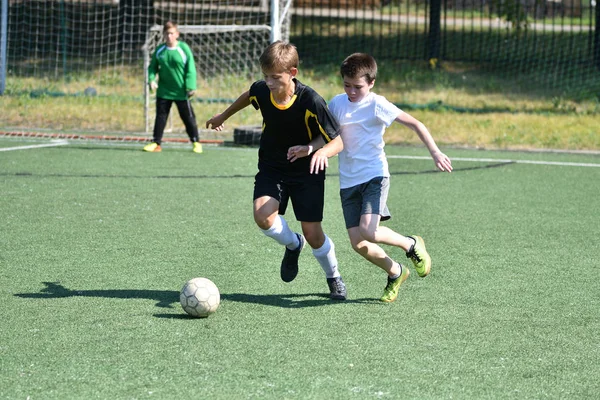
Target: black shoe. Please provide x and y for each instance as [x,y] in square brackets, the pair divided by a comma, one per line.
[289,264]
[337,288]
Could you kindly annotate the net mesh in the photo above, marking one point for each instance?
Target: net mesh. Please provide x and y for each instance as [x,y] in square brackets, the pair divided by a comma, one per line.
[62,47]
[225,58]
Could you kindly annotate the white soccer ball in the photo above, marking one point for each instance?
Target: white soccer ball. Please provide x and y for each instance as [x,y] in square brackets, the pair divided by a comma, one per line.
[200,297]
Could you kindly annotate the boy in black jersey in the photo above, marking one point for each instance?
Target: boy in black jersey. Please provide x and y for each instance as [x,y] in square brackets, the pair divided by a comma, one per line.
[294,116]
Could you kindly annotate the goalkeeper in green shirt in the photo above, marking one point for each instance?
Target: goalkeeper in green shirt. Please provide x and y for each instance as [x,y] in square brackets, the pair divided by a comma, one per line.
[173,63]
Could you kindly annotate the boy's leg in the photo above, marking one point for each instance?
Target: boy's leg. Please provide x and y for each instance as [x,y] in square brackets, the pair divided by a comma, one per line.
[372,252]
[270,199]
[370,230]
[323,249]
[186,112]
[324,252]
[374,198]
[163,106]
[419,256]
[363,205]
[390,293]
[281,233]
[308,199]
[266,216]
[413,246]
[397,273]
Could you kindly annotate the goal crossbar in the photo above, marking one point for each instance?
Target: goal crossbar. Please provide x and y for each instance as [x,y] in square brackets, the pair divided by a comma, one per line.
[203,29]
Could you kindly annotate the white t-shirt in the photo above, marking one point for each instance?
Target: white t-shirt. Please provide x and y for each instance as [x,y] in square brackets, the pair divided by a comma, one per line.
[363,125]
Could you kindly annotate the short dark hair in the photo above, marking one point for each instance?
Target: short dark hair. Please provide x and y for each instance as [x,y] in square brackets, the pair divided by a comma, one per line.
[168,25]
[358,65]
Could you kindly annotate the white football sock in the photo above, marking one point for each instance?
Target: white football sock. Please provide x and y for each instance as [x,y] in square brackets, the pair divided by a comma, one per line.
[398,274]
[281,232]
[325,255]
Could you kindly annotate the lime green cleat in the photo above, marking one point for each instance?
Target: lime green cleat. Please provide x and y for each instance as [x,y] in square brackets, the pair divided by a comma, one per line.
[419,256]
[197,147]
[152,147]
[393,285]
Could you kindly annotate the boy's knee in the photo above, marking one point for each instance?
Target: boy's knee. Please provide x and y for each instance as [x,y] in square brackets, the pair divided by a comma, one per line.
[315,241]
[368,234]
[359,248]
[314,235]
[264,222]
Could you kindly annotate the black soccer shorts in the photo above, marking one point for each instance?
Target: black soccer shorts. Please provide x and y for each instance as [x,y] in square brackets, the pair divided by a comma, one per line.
[307,195]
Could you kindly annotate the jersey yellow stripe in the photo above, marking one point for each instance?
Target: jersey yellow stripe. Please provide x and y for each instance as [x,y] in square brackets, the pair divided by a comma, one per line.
[307,116]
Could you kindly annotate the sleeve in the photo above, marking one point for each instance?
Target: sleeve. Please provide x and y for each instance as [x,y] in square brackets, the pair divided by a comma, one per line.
[386,111]
[254,92]
[328,123]
[189,69]
[334,106]
[153,67]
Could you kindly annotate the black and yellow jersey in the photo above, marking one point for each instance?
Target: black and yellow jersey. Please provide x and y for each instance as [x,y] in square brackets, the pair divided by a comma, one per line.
[297,123]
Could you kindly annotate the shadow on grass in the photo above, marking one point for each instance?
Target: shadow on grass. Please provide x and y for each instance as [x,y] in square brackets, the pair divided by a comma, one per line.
[166,298]
[54,290]
[280,300]
[289,300]
[332,174]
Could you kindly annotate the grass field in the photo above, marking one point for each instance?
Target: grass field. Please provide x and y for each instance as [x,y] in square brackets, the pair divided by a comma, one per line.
[461,104]
[97,240]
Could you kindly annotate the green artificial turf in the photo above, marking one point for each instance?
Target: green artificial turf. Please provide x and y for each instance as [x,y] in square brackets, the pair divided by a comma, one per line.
[96,241]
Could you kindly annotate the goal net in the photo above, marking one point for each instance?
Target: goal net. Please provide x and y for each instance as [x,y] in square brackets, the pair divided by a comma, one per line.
[226,48]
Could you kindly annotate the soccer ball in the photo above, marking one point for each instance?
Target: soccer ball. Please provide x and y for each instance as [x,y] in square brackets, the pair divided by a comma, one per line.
[200,297]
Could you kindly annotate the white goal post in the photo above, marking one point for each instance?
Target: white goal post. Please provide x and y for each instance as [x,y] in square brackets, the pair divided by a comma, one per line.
[225,55]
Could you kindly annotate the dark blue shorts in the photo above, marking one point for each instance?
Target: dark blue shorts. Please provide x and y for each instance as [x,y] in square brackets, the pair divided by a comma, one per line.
[367,198]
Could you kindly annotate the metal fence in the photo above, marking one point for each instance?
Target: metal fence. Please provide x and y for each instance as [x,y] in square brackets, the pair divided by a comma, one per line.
[554,42]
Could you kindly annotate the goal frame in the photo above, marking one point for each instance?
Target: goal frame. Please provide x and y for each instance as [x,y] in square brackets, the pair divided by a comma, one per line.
[277,30]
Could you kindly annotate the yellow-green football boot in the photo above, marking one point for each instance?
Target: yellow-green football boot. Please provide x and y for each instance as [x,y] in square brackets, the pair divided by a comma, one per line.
[197,147]
[152,147]
[419,256]
[393,285]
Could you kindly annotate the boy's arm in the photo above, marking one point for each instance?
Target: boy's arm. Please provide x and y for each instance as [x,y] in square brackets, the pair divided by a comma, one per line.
[300,151]
[190,72]
[319,160]
[152,70]
[217,122]
[442,162]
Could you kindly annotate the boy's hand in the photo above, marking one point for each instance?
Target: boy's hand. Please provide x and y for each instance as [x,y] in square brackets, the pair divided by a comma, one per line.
[216,122]
[296,152]
[153,86]
[442,162]
[191,94]
[318,162]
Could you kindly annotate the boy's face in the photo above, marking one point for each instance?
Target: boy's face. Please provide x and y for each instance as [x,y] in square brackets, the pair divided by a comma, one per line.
[279,81]
[171,36]
[357,88]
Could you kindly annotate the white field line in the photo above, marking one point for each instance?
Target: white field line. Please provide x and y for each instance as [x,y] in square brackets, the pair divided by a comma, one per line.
[500,160]
[36,146]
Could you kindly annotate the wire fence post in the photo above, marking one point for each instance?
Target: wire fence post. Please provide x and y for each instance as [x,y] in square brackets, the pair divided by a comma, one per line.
[435,32]
[597,36]
[3,44]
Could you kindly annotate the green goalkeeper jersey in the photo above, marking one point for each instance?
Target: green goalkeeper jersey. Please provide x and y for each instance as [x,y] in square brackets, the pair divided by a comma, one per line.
[175,69]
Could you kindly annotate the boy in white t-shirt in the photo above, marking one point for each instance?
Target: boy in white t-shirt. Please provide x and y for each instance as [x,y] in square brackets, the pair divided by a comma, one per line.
[364,173]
